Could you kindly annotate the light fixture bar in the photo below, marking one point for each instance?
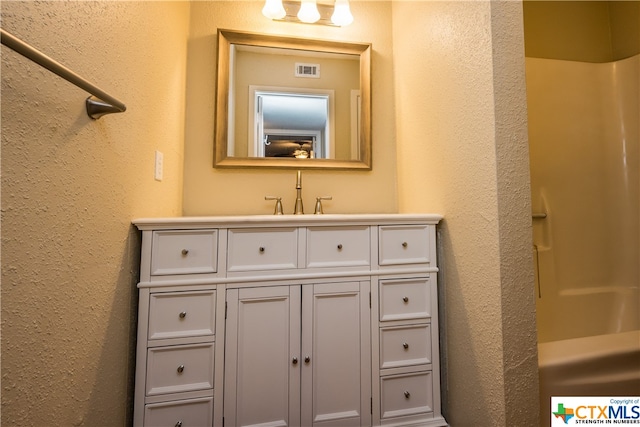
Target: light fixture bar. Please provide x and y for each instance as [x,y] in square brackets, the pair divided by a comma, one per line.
[292,8]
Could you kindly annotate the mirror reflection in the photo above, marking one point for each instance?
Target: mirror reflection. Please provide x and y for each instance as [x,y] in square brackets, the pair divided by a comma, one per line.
[291,124]
[285,102]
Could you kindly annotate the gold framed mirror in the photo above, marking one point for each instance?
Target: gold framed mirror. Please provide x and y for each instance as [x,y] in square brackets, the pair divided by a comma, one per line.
[284,102]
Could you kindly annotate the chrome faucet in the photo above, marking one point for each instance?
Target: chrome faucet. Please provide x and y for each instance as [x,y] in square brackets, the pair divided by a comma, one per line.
[299,209]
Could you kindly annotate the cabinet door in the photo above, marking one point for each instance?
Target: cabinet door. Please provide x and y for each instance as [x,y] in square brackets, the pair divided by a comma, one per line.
[336,368]
[262,367]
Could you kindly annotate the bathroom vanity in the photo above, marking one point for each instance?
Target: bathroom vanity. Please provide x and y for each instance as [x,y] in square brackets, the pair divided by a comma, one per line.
[328,320]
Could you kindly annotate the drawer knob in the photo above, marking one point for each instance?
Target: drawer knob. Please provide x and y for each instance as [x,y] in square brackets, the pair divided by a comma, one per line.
[185,252]
[340,246]
[261,249]
[405,244]
[180,369]
[294,361]
[178,424]
[307,359]
[405,299]
[407,394]
[183,314]
[405,345]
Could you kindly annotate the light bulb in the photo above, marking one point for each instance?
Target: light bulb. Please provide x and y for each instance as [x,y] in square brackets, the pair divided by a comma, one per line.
[341,14]
[308,12]
[273,9]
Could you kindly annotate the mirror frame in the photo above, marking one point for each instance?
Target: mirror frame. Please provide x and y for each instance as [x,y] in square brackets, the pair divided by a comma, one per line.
[228,37]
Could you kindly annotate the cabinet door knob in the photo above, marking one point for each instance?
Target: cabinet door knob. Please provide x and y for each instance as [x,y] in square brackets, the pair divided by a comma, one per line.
[339,246]
[261,249]
[183,314]
[407,394]
[405,299]
[307,359]
[185,252]
[405,345]
[180,369]
[178,424]
[294,361]
[405,244]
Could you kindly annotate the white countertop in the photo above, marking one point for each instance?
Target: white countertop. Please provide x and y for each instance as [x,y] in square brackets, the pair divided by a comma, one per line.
[191,222]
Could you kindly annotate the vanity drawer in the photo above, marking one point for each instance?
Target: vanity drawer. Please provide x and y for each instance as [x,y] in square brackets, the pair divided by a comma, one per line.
[405,346]
[405,299]
[182,314]
[184,413]
[184,252]
[262,249]
[338,247]
[179,368]
[408,394]
[400,244]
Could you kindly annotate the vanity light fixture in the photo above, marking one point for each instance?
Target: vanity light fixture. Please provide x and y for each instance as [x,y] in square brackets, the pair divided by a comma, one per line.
[273,9]
[309,12]
[342,14]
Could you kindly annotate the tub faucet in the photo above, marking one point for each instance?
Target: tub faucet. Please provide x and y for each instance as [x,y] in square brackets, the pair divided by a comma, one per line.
[299,209]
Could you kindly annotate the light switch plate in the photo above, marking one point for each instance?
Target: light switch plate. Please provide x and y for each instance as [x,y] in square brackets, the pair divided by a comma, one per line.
[159,166]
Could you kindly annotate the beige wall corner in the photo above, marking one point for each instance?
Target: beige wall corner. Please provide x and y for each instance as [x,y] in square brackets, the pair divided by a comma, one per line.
[519,335]
[462,151]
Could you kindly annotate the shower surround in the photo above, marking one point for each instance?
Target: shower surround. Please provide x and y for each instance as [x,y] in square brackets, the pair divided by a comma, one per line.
[583,136]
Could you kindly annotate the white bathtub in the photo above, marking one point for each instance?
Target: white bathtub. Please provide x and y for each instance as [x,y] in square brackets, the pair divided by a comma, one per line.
[603,365]
[592,311]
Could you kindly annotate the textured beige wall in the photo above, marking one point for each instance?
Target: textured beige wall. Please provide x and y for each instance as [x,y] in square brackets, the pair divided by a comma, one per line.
[462,151]
[210,191]
[70,187]
[517,296]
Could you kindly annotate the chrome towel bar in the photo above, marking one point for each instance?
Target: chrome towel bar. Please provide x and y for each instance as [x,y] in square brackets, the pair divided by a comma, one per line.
[96,108]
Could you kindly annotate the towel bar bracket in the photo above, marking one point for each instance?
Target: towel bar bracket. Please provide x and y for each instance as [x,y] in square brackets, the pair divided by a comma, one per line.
[97,108]
[98,105]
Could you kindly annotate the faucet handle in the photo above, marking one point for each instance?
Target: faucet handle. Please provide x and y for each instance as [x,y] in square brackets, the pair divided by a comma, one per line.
[319,200]
[278,208]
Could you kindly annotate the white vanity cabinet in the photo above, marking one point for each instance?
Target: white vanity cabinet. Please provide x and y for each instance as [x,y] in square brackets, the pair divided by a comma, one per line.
[327,320]
[294,355]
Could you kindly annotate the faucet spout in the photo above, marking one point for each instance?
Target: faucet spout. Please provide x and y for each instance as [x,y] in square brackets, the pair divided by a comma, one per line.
[299,208]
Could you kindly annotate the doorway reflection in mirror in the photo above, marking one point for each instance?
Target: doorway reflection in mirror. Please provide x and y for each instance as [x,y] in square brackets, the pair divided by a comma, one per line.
[292,124]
